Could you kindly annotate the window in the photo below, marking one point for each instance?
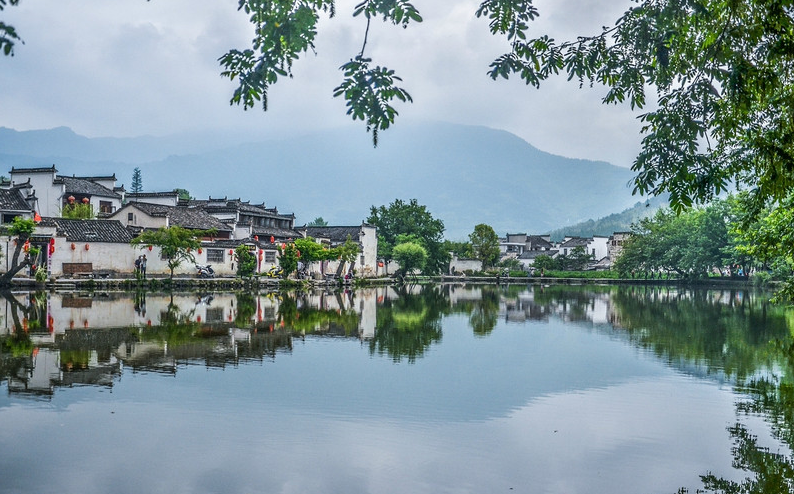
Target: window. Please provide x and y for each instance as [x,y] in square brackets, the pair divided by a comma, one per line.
[215,255]
[106,207]
[130,217]
[270,256]
[214,314]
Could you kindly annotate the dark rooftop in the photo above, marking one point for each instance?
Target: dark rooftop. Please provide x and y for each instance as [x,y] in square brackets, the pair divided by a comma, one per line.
[111,231]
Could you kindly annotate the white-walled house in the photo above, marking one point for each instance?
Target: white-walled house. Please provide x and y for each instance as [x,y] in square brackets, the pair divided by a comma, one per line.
[366,264]
[54,191]
[153,216]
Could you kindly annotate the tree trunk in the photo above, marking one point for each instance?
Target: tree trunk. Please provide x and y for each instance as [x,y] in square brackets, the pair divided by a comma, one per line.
[16,265]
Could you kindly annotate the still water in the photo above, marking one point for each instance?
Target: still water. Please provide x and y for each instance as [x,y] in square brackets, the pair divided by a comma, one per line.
[437,389]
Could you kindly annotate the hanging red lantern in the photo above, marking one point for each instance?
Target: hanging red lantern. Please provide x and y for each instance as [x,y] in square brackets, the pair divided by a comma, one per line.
[86,246]
[198,318]
[73,246]
[199,250]
[150,248]
[85,323]
[272,239]
[71,199]
[26,245]
[85,200]
[71,323]
[52,241]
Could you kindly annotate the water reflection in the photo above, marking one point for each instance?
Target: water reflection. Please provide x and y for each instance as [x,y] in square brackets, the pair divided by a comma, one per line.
[524,352]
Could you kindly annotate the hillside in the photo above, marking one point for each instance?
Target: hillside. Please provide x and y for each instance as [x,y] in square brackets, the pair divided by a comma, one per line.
[464,174]
[617,222]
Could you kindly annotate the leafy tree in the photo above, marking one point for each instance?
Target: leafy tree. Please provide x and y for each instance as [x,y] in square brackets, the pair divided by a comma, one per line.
[318,221]
[411,218]
[721,73]
[78,211]
[137,181]
[288,258]
[577,260]
[246,261]
[284,29]
[411,256]
[22,229]
[546,262]
[8,35]
[771,238]
[485,244]
[175,243]
[461,249]
[183,194]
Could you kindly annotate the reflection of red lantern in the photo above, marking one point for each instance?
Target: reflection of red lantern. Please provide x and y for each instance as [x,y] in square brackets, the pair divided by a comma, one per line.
[198,318]
[231,251]
[73,246]
[256,237]
[199,250]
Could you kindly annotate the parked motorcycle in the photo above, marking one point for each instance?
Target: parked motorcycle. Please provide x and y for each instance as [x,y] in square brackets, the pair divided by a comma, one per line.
[205,271]
[275,272]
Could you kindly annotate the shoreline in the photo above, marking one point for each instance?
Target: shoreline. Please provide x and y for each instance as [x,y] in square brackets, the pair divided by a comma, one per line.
[189,284]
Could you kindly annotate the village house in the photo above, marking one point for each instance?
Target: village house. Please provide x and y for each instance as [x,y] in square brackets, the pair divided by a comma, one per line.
[250,220]
[366,265]
[53,191]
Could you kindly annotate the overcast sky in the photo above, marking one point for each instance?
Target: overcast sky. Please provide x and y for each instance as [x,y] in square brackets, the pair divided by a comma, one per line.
[130,67]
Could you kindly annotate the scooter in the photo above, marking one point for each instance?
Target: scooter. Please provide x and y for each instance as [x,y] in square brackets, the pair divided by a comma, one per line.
[275,272]
[205,271]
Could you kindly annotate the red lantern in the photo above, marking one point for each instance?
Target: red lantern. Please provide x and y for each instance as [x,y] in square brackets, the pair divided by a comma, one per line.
[256,237]
[86,246]
[26,245]
[150,248]
[272,239]
[85,200]
[231,251]
[52,241]
[73,246]
[71,199]
[199,250]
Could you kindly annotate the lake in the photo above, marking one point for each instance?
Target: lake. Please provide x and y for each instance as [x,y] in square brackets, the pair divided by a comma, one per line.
[426,389]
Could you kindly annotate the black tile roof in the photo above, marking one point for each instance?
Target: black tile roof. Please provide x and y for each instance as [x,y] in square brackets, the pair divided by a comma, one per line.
[576,242]
[76,185]
[334,233]
[13,200]
[539,242]
[265,232]
[111,231]
[533,254]
[39,169]
[191,218]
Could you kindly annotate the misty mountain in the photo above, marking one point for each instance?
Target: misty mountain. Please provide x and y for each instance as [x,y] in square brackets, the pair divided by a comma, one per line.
[616,222]
[465,175]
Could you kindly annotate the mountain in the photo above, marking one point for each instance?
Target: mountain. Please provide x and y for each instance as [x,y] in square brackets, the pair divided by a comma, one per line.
[616,222]
[465,175]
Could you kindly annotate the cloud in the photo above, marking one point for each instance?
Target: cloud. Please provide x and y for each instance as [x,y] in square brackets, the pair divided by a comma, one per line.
[132,68]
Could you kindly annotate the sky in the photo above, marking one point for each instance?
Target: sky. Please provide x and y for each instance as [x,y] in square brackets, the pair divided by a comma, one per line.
[124,68]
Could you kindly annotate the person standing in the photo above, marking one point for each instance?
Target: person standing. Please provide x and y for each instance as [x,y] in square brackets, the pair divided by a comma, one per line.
[143,267]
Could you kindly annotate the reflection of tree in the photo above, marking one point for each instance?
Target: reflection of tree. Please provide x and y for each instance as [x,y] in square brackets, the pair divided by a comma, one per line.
[409,324]
[728,331]
[772,472]
[485,311]
[308,319]
[246,309]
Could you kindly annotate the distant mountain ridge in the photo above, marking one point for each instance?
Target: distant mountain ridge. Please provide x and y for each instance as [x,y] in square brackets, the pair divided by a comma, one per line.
[616,222]
[465,175]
